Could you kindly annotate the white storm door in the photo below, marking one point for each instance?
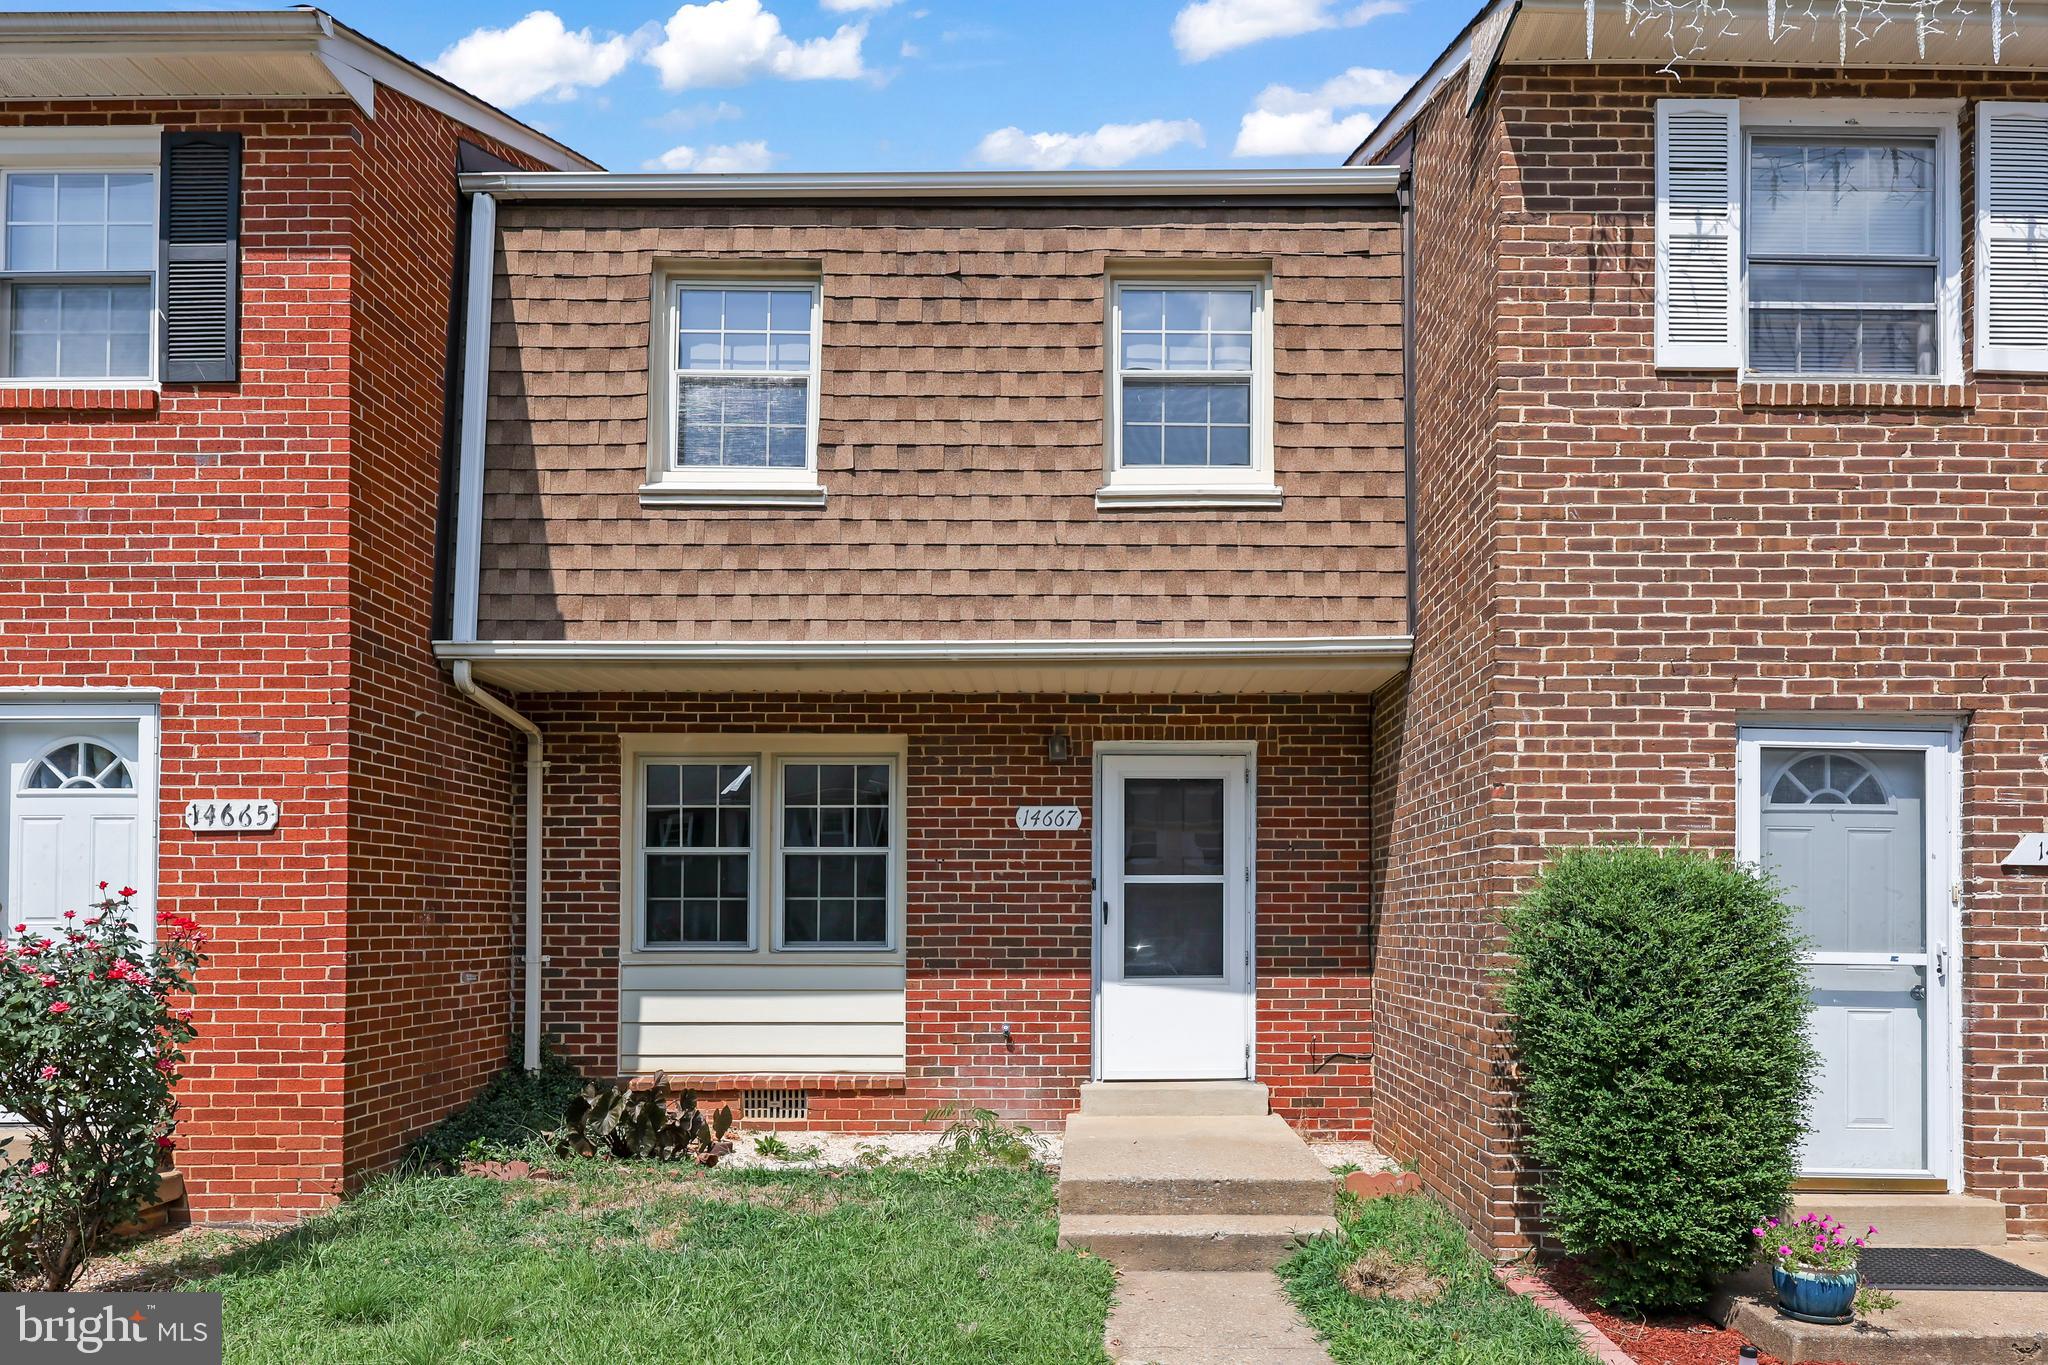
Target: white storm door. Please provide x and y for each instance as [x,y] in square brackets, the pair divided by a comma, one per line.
[1175,917]
[74,818]
[1856,828]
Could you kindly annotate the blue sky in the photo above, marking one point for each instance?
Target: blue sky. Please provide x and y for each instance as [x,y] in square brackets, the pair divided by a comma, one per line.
[829,85]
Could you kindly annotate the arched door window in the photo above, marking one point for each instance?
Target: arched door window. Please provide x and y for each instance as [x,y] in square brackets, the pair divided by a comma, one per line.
[78,765]
[1830,779]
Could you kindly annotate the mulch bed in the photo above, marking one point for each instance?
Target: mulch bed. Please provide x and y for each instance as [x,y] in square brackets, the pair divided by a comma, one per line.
[1666,1339]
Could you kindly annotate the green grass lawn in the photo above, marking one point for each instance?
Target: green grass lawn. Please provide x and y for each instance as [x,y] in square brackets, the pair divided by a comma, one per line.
[1473,1322]
[622,1263]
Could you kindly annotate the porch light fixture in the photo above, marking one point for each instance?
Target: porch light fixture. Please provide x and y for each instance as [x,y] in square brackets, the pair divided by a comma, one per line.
[1058,748]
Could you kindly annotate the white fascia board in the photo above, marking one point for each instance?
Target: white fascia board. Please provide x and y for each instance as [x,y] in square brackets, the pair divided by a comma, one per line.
[1365,181]
[1316,648]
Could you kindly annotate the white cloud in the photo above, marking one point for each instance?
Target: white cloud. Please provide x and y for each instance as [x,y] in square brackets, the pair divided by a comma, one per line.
[535,58]
[1208,27]
[1287,122]
[729,42]
[847,6]
[1113,144]
[730,159]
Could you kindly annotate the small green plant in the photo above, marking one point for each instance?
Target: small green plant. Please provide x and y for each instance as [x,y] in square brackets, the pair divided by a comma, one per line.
[775,1149]
[629,1122]
[515,1110]
[1658,1000]
[90,1045]
[981,1137]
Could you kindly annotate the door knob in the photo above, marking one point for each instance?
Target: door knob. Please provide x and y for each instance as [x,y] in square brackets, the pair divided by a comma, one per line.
[1920,993]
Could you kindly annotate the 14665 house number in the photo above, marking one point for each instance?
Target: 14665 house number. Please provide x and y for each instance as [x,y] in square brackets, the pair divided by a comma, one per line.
[213,816]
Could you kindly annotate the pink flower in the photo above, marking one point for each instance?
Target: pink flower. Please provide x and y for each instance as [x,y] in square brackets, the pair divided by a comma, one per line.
[46,982]
[1756,1232]
[48,1073]
[1784,1251]
[60,1008]
[40,1168]
[166,1065]
[166,1145]
[70,914]
[1870,1231]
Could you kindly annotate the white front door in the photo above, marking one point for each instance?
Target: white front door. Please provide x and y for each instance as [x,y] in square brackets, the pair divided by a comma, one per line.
[1855,826]
[74,805]
[1174,920]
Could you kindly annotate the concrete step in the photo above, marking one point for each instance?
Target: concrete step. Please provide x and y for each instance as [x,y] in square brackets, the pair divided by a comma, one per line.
[1230,1165]
[1201,1241]
[1152,1099]
[1912,1220]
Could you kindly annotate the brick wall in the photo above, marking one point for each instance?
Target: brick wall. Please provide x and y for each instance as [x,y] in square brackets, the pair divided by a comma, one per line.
[1000,921]
[434,903]
[262,553]
[1438,728]
[1676,553]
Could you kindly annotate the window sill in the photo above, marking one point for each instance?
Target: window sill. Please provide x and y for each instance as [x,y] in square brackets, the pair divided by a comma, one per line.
[732,495]
[1864,394]
[21,396]
[1169,498]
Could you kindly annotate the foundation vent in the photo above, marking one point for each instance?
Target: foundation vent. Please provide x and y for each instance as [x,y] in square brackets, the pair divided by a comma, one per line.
[774,1104]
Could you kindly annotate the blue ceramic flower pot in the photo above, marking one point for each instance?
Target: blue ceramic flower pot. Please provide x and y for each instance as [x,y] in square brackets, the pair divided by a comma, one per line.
[1826,1297]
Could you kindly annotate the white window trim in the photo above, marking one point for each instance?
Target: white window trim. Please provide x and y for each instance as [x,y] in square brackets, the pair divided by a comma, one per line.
[1938,119]
[89,151]
[767,752]
[670,487]
[639,837]
[1169,488]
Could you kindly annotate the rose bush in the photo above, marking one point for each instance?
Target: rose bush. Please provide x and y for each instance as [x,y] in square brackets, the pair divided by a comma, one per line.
[90,1046]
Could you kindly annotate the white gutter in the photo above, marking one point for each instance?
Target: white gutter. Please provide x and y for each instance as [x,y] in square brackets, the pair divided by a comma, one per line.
[536,771]
[476,382]
[1308,180]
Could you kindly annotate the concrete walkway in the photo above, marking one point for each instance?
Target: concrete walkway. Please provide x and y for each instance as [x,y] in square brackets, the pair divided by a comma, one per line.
[1194,1193]
[1207,1317]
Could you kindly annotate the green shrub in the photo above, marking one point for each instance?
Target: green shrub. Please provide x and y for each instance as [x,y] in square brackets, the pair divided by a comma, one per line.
[1659,1003]
[514,1110]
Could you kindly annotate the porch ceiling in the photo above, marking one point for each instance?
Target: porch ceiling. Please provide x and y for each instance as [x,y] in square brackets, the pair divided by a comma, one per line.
[1036,667]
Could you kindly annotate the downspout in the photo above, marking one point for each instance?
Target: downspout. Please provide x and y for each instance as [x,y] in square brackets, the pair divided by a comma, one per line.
[536,770]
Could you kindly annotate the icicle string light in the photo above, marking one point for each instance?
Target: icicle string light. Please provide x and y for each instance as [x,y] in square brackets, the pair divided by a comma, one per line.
[1692,26]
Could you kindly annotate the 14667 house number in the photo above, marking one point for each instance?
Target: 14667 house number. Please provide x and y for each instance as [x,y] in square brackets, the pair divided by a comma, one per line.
[213,816]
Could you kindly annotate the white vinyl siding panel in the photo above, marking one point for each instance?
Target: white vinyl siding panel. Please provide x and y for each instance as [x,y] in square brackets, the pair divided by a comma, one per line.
[1698,235]
[762,1020]
[2012,238]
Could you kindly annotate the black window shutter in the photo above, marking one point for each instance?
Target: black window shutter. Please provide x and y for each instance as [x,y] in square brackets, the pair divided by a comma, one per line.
[199,231]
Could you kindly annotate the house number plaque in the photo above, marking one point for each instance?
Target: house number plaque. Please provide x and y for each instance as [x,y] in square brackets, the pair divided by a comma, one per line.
[1049,819]
[212,815]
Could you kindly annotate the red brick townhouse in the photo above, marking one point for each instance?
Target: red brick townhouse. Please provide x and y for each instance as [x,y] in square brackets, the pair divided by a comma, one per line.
[226,270]
[1730,383]
[944,610]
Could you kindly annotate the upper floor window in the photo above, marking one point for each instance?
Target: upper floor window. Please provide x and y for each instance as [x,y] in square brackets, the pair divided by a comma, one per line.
[1843,256]
[78,261]
[1191,392]
[742,418]
[1809,239]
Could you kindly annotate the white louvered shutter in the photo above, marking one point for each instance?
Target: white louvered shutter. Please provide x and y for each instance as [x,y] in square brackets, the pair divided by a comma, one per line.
[2012,238]
[1699,241]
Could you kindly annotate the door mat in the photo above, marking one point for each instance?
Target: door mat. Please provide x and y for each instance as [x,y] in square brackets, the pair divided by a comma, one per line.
[1946,1268]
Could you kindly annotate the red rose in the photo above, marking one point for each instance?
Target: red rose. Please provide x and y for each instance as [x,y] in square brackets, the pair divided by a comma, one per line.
[127,891]
[60,1008]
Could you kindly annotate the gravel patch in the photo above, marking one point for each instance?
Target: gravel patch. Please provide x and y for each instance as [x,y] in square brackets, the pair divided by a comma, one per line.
[1363,1155]
[835,1150]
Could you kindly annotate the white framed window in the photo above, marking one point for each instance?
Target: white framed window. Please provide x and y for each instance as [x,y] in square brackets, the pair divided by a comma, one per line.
[737,391]
[698,828]
[1190,393]
[78,256]
[752,848]
[1810,239]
